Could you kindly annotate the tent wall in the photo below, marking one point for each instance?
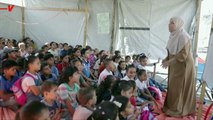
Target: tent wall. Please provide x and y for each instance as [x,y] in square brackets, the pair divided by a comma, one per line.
[63,21]
[10,23]
[152,16]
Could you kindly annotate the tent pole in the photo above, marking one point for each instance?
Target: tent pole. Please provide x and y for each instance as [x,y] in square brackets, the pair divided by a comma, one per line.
[85,22]
[23,21]
[113,27]
[197,28]
[201,100]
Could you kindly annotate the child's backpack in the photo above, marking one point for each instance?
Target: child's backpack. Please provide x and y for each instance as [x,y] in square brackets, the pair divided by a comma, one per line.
[146,115]
[156,91]
[20,95]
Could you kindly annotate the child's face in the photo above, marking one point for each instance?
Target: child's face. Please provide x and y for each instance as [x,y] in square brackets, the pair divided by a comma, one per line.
[46,49]
[44,115]
[52,95]
[50,61]
[131,73]
[87,54]
[78,65]
[127,59]
[36,65]
[30,49]
[143,77]
[12,55]
[46,70]
[10,72]
[77,53]
[75,77]
[66,47]
[22,47]
[123,65]
[66,59]
[144,62]
[128,110]
[53,45]
[127,93]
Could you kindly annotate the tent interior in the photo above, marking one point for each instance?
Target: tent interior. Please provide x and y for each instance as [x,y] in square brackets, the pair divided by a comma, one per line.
[131,26]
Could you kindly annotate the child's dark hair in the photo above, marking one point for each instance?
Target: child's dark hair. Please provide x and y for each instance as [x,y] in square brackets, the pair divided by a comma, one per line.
[119,68]
[62,56]
[52,43]
[47,86]
[20,62]
[84,95]
[74,61]
[104,86]
[69,71]
[141,72]
[129,67]
[127,57]
[7,64]
[105,111]
[116,57]
[121,85]
[132,82]
[48,56]
[44,46]
[43,65]
[107,61]
[29,60]
[31,111]
[142,57]
[83,51]
[124,102]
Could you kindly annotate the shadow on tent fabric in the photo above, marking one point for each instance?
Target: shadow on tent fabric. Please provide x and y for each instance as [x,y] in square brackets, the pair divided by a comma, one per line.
[161,116]
[7,114]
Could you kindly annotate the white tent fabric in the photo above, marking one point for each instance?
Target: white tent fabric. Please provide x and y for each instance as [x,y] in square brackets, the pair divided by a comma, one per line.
[19,3]
[10,26]
[59,26]
[207,74]
[152,14]
[68,26]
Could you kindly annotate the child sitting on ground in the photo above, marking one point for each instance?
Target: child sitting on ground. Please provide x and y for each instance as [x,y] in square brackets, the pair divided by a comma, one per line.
[69,88]
[49,91]
[7,79]
[34,110]
[86,99]
[46,73]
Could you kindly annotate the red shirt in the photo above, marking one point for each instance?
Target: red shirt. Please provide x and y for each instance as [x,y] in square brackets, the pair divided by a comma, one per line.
[101,68]
[133,101]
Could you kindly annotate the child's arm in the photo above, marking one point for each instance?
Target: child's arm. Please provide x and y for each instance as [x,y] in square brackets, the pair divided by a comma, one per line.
[5,96]
[69,107]
[145,94]
[35,90]
[57,115]
[93,76]
[149,94]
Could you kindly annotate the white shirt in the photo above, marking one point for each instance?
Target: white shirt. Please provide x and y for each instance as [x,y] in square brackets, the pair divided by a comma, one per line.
[27,82]
[54,53]
[127,78]
[141,85]
[81,113]
[142,67]
[103,75]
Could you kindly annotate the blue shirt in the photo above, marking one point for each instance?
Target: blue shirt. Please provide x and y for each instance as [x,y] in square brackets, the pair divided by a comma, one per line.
[54,70]
[6,85]
[52,108]
[51,77]
[86,69]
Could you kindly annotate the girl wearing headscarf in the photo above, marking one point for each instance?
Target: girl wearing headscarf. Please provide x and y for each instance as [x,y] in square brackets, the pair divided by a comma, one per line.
[181,96]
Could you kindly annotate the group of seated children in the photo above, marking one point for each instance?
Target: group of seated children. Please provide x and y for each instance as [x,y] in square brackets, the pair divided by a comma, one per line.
[62,82]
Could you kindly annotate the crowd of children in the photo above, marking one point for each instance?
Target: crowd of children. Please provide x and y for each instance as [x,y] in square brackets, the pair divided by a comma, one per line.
[59,81]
